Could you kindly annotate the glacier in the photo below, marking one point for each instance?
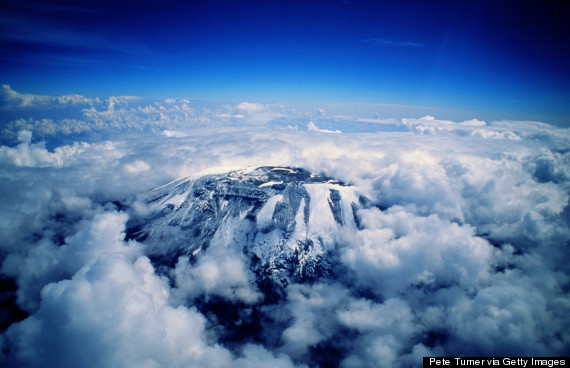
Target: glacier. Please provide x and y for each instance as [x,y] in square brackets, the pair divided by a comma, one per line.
[282,218]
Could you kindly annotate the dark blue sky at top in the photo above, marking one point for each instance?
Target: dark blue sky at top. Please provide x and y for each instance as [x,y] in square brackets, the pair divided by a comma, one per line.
[498,58]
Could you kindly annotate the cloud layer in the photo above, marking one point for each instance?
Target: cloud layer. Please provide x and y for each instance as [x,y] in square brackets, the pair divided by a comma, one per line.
[462,250]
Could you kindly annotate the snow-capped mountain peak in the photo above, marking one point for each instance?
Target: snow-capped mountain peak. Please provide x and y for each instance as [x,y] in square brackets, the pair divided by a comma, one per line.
[281,218]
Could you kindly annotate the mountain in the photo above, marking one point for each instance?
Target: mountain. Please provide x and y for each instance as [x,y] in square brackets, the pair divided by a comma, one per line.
[281,218]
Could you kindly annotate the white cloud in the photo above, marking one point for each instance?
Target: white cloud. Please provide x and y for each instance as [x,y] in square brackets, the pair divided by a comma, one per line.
[396,250]
[220,271]
[313,127]
[364,315]
[173,133]
[251,106]
[48,262]
[255,356]
[473,122]
[463,243]
[25,136]
[113,313]
[251,113]
[36,155]
[310,307]
[136,166]
[12,99]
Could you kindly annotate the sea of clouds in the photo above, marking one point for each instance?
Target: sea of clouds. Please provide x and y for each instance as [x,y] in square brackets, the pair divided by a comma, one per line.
[464,250]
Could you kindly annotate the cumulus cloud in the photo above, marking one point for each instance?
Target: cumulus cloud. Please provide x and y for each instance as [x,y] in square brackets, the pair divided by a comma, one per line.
[459,249]
[12,99]
[113,313]
[250,107]
[397,250]
[113,310]
[312,126]
[221,271]
[36,155]
[136,166]
[253,112]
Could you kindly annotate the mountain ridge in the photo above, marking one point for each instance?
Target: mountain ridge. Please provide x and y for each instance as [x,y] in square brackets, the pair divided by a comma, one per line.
[281,218]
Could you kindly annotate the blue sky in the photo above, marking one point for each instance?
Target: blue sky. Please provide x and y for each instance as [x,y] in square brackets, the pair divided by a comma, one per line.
[490,59]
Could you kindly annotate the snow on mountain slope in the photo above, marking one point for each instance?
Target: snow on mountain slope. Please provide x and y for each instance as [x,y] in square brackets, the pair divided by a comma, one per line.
[283,220]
